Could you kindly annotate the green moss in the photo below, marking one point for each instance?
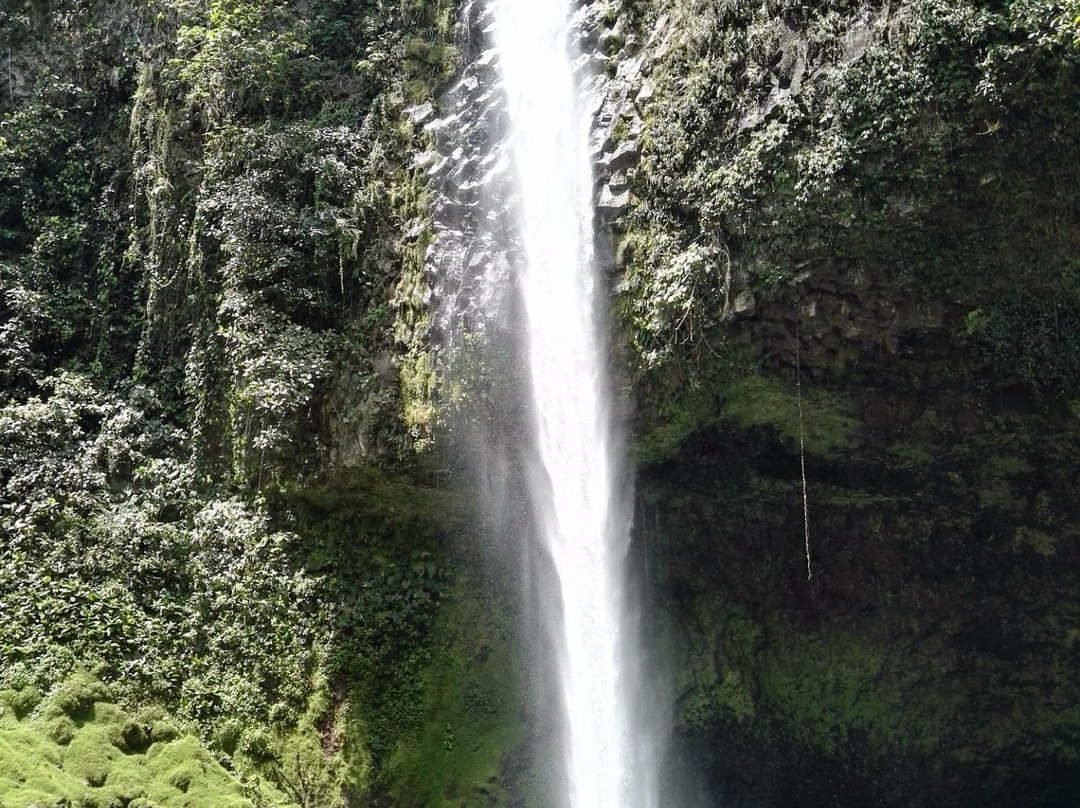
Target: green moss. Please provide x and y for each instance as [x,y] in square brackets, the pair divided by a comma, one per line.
[471,721]
[76,695]
[910,455]
[827,424]
[161,727]
[826,687]
[690,410]
[712,695]
[832,690]
[59,729]
[23,752]
[715,678]
[835,689]
[20,702]
[101,764]
[1036,540]
[418,381]
[134,737]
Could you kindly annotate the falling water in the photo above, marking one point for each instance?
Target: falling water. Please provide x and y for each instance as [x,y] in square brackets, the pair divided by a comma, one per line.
[575,491]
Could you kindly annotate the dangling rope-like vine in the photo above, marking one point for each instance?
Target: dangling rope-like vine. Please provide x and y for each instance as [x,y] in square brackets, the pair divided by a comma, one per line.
[802,444]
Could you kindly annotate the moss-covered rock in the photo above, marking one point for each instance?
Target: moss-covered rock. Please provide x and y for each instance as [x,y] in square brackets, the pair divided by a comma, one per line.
[96,764]
[849,309]
[931,615]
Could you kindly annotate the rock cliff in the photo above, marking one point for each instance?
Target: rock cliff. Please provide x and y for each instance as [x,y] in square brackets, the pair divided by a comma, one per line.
[844,261]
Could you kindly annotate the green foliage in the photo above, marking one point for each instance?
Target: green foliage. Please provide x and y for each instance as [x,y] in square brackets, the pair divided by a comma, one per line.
[73,450]
[111,559]
[782,138]
[383,600]
[310,760]
[675,293]
[293,225]
[231,55]
[1031,338]
[202,209]
[65,294]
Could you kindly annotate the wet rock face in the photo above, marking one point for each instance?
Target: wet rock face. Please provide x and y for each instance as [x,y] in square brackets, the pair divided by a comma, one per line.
[923,663]
[469,174]
[470,259]
[613,81]
[846,312]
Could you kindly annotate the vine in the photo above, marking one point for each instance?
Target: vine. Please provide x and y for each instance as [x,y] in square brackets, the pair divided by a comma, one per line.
[802,446]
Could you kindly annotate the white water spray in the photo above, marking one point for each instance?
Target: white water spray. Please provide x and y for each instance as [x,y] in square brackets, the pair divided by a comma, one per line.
[580,515]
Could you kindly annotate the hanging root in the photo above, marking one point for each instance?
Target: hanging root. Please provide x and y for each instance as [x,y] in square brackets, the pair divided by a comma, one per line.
[802,445]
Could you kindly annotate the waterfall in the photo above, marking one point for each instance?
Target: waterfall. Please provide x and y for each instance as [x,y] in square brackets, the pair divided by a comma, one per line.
[520,296]
[575,489]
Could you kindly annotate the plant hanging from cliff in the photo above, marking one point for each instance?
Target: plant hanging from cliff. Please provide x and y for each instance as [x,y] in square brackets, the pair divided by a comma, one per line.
[802,446]
[231,56]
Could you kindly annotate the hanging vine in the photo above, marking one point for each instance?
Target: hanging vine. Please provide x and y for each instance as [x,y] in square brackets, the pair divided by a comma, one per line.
[802,447]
